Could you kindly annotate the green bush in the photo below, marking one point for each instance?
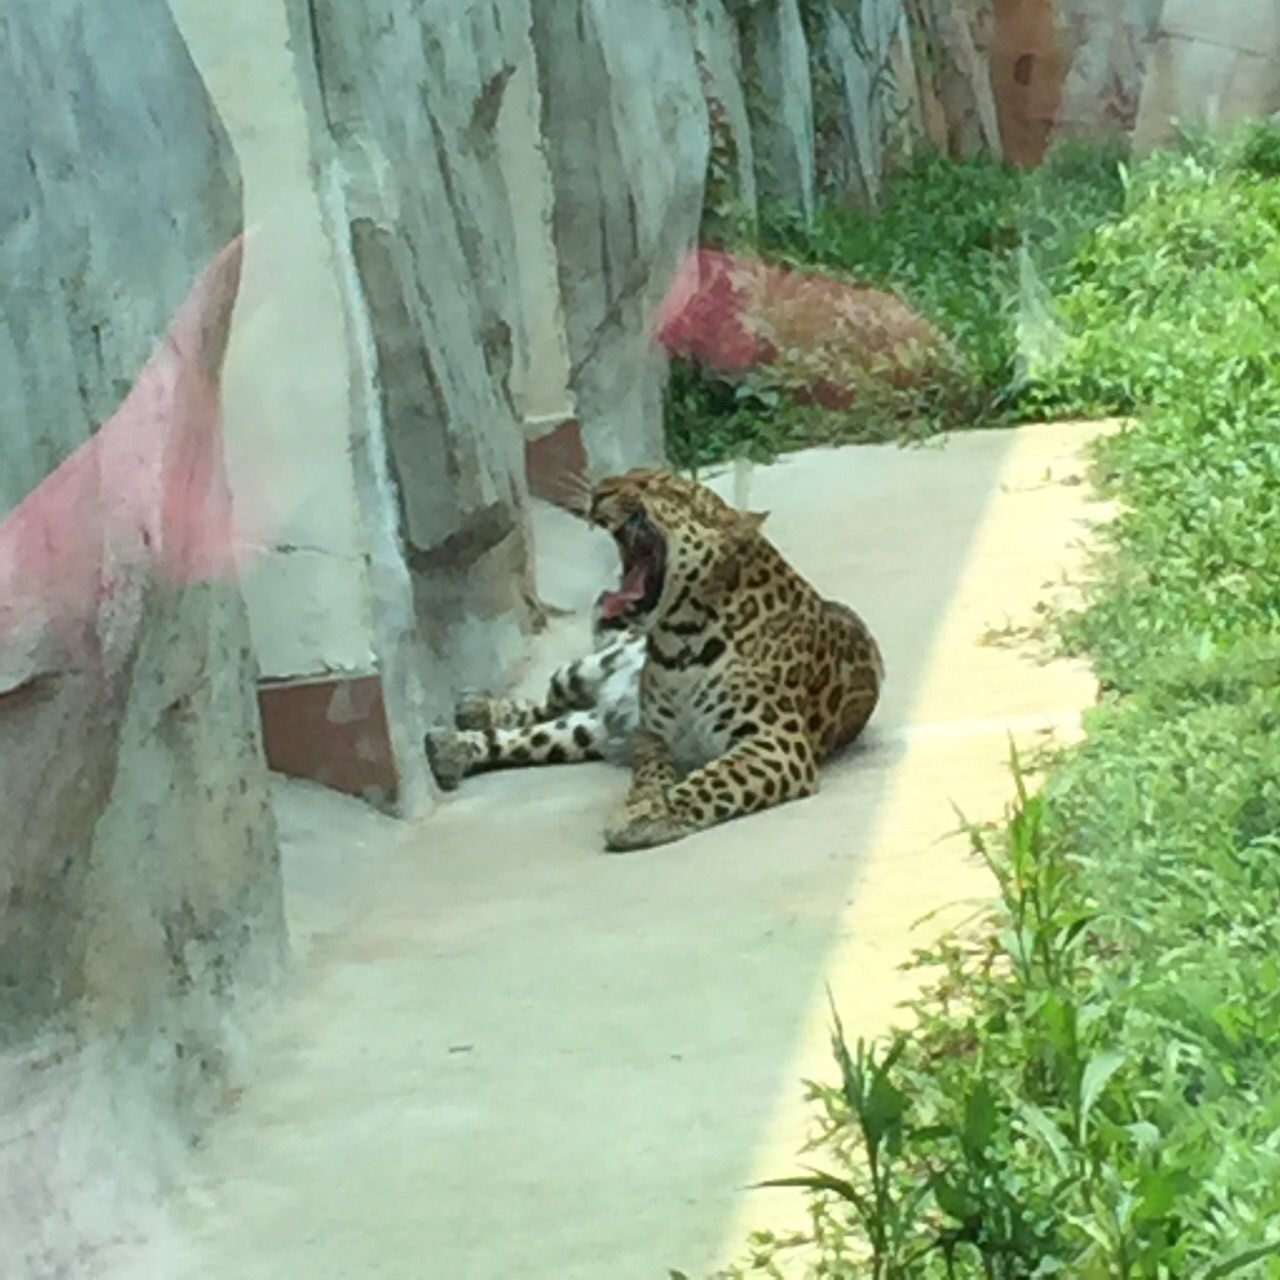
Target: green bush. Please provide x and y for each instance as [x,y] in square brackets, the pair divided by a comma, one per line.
[1174,309]
[1182,287]
[1258,149]
[1093,1089]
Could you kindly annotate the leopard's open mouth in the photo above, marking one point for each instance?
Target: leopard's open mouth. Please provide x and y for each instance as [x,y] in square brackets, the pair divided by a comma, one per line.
[644,563]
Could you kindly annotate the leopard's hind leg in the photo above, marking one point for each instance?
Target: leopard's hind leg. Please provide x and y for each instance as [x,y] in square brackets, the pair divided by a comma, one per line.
[572,738]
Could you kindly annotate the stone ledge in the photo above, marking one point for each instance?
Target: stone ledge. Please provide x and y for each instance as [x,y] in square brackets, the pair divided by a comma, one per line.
[332,731]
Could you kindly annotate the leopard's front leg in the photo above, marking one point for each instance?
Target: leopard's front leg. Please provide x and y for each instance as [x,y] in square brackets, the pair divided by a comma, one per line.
[760,772]
[455,753]
[645,808]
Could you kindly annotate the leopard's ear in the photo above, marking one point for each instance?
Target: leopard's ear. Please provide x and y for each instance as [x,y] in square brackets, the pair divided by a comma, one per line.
[752,521]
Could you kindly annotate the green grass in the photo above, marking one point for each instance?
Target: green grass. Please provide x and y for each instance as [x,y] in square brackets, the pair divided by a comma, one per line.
[1094,1087]
[950,239]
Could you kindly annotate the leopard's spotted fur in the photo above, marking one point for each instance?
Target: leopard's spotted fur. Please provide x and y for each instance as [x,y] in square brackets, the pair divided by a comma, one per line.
[749,678]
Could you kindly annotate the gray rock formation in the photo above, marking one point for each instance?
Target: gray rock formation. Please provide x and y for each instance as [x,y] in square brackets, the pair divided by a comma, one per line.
[627,144]
[1108,46]
[140,891]
[779,89]
[404,98]
[952,37]
[731,172]
[861,57]
[1209,65]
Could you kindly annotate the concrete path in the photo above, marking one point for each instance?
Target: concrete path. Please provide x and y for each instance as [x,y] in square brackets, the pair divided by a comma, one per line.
[506,1055]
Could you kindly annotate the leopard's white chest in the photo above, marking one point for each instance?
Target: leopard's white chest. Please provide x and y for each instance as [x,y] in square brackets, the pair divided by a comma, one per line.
[618,702]
[681,709]
[678,705]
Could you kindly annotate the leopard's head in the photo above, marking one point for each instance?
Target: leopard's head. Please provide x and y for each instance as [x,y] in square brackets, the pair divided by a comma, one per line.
[674,536]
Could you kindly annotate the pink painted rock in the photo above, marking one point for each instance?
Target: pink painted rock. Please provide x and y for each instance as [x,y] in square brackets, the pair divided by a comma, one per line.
[146,496]
[816,335]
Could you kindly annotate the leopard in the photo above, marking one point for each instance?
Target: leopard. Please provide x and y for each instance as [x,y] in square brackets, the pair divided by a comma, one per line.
[744,678]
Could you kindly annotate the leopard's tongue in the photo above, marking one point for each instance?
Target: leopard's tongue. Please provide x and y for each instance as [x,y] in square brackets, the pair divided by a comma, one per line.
[612,603]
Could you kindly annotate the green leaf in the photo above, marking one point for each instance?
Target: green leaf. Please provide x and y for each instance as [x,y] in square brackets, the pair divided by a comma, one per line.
[885,1106]
[980,1116]
[1157,1193]
[1041,1125]
[955,1201]
[1094,1079]
[821,1182]
[1239,1261]
[1058,1020]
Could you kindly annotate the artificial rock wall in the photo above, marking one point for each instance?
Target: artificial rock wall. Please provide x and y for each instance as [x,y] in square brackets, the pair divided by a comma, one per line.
[141,910]
[403,102]
[627,141]
[464,214]
[835,90]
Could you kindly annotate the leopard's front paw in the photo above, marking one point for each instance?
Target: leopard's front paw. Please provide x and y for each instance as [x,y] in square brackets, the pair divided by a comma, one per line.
[645,829]
[449,756]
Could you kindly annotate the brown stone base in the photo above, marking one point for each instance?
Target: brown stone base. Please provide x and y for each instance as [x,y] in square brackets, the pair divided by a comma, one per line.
[331,731]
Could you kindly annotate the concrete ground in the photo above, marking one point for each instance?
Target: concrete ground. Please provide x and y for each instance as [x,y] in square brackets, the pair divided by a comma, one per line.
[508,1055]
